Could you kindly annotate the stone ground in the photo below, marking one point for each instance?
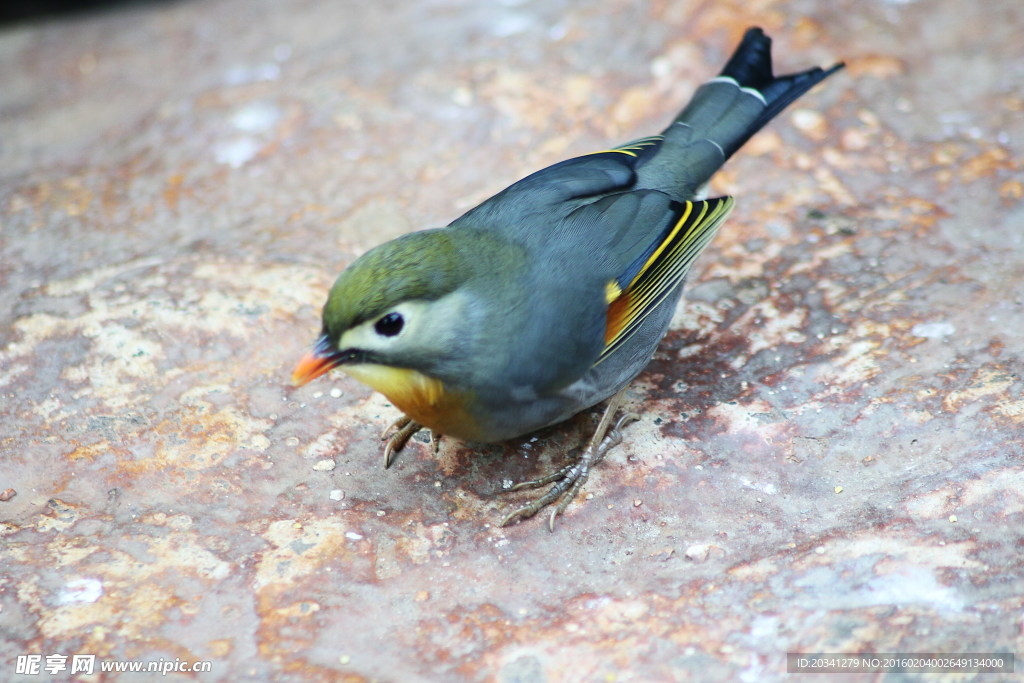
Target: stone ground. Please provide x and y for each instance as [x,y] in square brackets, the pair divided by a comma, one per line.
[830,452]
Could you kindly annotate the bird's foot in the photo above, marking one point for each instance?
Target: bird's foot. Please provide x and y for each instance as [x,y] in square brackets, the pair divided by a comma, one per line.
[570,479]
[404,429]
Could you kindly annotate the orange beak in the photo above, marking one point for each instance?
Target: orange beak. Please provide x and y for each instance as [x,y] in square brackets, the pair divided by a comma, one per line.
[319,361]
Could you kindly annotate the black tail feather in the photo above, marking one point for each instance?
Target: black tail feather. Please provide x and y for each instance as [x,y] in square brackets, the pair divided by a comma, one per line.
[723,114]
[751,63]
[751,67]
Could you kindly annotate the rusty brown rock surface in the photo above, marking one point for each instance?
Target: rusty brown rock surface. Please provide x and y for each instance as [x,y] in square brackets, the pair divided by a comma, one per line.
[830,451]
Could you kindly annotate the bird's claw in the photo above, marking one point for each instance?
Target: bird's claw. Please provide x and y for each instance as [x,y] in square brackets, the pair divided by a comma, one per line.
[404,428]
[568,480]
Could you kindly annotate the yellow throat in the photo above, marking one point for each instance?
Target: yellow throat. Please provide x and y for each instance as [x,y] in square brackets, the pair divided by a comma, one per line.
[421,397]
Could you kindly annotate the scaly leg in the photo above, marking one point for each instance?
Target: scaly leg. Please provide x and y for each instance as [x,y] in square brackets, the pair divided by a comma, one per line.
[570,479]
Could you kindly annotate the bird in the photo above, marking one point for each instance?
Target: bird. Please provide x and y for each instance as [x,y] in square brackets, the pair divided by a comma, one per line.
[551,296]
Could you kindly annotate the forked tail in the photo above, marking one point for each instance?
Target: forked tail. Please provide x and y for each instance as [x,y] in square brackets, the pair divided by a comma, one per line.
[764,95]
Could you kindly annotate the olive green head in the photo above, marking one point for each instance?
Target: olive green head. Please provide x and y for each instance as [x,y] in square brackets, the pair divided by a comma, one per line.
[420,266]
[399,305]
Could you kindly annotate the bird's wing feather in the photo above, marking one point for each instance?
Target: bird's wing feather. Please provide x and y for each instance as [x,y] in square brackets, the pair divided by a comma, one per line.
[553,192]
[656,272]
[635,245]
[640,150]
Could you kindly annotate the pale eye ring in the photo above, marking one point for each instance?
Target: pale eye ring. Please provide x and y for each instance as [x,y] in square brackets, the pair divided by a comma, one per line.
[389,325]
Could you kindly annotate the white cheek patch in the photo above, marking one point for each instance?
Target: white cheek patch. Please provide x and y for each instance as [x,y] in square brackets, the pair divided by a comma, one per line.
[366,337]
[429,327]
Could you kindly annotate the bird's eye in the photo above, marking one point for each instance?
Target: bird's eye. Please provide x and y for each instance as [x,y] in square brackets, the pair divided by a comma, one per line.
[389,325]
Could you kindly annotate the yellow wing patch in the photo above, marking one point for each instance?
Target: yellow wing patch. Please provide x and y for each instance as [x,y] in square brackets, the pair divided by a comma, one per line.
[662,270]
[612,291]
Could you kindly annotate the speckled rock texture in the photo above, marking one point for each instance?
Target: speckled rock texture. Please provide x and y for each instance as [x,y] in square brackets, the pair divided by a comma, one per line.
[829,455]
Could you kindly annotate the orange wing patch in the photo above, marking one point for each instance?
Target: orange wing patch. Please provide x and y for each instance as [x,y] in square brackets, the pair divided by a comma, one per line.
[616,318]
[656,274]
